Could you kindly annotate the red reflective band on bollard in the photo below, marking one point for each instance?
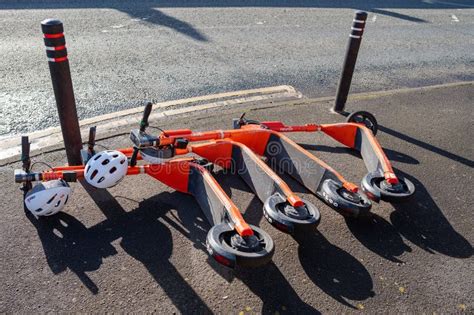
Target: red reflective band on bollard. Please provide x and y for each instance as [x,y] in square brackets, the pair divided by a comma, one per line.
[61,59]
[54,35]
[55,48]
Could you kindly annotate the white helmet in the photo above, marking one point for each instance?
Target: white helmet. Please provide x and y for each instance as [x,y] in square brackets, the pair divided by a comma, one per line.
[48,198]
[106,169]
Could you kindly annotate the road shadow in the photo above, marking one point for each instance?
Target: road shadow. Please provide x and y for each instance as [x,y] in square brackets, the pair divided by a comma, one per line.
[419,219]
[379,236]
[427,146]
[151,12]
[149,241]
[157,17]
[276,293]
[397,15]
[69,244]
[334,270]
[423,223]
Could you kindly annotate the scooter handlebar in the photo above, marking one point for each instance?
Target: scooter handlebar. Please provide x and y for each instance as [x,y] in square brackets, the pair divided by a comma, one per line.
[25,152]
[146,114]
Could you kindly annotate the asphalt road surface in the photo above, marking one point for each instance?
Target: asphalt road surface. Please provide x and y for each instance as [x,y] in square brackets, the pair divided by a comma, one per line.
[140,246]
[125,52]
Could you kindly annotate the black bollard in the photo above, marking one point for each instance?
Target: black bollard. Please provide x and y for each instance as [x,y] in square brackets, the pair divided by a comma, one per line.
[355,38]
[62,85]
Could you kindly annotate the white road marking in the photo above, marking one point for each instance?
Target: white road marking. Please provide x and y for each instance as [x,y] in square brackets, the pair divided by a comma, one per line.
[374,18]
[118,26]
[261,23]
[455,18]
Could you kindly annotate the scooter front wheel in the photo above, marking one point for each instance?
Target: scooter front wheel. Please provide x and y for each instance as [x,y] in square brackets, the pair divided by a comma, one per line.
[376,187]
[286,218]
[229,248]
[345,202]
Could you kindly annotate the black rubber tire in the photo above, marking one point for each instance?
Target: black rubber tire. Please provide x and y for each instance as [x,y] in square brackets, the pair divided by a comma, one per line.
[272,210]
[365,118]
[332,194]
[407,190]
[219,241]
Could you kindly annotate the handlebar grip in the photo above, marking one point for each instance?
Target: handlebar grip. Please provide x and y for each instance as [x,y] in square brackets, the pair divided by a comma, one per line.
[25,159]
[25,152]
[92,132]
[25,147]
[146,114]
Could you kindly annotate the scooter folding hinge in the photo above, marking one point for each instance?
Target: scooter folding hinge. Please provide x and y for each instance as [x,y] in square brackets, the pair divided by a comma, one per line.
[241,227]
[351,187]
[295,201]
[391,178]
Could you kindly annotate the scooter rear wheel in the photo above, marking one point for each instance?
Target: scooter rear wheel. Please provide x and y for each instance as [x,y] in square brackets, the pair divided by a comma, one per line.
[366,118]
[227,247]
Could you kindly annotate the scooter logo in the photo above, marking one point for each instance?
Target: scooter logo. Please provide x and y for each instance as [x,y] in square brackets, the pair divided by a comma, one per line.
[265,214]
[330,200]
